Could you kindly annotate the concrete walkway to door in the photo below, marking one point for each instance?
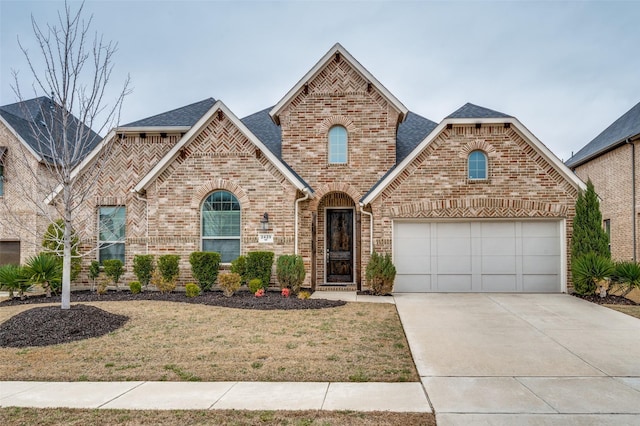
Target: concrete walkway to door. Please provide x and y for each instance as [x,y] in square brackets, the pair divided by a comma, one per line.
[505,359]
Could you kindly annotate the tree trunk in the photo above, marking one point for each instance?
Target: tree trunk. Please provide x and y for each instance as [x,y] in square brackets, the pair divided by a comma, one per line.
[66,267]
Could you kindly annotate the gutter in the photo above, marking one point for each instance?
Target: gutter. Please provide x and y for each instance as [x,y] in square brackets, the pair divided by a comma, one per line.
[362,210]
[633,195]
[295,222]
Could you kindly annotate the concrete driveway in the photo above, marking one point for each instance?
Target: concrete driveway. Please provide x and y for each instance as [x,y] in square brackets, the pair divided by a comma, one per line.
[524,358]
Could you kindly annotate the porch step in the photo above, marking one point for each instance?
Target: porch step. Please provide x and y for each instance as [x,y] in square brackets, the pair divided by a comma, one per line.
[334,287]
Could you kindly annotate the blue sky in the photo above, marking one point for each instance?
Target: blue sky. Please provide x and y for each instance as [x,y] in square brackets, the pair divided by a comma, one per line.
[566,70]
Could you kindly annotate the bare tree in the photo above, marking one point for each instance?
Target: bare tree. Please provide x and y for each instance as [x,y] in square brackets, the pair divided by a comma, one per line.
[76,70]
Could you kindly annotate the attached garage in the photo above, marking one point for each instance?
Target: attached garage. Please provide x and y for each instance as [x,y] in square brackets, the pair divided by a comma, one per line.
[479,256]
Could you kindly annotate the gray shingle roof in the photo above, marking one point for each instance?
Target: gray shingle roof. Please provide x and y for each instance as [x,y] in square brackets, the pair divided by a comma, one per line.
[411,132]
[185,116]
[266,130]
[41,117]
[618,132]
[469,110]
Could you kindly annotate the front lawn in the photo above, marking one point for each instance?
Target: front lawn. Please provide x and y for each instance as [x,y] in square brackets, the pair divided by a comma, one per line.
[633,310]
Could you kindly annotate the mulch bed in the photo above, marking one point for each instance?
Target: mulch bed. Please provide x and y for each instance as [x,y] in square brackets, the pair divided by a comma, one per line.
[51,325]
[608,300]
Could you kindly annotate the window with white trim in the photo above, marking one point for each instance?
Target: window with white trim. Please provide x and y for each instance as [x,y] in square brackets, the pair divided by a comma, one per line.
[111,234]
[477,165]
[221,225]
[1,179]
[338,145]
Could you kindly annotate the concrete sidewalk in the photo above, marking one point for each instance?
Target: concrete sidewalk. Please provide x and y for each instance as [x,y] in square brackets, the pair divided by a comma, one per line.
[395,397]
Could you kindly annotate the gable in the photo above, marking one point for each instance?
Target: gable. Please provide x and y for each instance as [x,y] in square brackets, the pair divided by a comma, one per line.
[338,72]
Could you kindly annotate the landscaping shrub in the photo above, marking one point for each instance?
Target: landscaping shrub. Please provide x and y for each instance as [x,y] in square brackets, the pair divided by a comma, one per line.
[143,267]
[380,274]
[229,282]
[239,266]
[53,242]
[114,270]
[304,295]
[12,278]
[103,282]
[46,270]
[290,272]
[628,274]
[192,290]
[259,265]
[587,270]
[204,267]
[162,284]
[588,235]
[135,287]
[254,285]
[169,267]
[94,271]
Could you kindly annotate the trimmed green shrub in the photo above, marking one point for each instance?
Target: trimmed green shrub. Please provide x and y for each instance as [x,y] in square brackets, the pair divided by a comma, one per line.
[13,278]
[239,266]
[143,267]
[588,269]
[53,242]
[229,282]
[380,274]
[254,285]
[163,285]
[94,271]
[628,273]
[204,267]
[135,287]
[46,270]
[192,290]
[259,264]
[114,270]
[588,235]
[169,267]
[290,272]
[103,282]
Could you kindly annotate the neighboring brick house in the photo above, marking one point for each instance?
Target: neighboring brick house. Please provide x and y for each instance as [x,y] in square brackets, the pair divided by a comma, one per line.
[339,167]
[611,162]
[25,178]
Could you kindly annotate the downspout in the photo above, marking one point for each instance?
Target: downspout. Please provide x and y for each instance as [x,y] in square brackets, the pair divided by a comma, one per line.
[362,210]
[146,213]
[295,222]
[633,195]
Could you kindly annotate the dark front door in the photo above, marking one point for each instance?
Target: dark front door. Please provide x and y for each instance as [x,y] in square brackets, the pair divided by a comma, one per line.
[339,246]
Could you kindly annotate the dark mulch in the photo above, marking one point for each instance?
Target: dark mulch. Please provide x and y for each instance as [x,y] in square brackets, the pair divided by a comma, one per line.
[240,300]
[608,300]
[50,325]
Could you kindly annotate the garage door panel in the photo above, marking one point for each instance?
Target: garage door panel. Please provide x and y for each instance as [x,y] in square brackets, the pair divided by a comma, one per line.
[413,264]
[498,246]
[454,283]
[540,283]
[498,229]
[540,265]
[540,229]
[409,283]
[540,246]
[453,246]
[499,283]
[498,264]
[454,230]
[454,264]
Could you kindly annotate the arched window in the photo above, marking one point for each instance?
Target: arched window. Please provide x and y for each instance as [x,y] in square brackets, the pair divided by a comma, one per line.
[221,225]
[337,145]
[477,166]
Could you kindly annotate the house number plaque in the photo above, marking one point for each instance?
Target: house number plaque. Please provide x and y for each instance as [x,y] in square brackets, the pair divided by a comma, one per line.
[265,238]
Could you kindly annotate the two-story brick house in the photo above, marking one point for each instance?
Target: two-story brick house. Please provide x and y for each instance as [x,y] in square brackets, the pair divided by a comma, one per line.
[611,162]
[338,168]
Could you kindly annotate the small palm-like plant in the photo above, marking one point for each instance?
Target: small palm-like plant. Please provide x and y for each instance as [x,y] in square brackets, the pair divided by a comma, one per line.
[628,273]
[588,270]
[46,270]
[12,278]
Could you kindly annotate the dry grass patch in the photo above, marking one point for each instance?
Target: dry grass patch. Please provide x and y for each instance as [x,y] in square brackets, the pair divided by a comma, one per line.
[181,342]
[633,310]
[64,416]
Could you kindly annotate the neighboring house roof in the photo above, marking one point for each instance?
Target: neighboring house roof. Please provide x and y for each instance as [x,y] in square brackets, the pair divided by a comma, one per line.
[337,48]
[617,133]
[472,114]
[193,132]
[37,118]
[185,116]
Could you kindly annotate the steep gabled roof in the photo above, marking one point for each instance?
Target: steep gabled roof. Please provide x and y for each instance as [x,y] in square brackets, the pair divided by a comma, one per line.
[266,130]
[195,130]
[337,49]
[472,114]
[410,133]
[625,127]
[185,116]
[39,118]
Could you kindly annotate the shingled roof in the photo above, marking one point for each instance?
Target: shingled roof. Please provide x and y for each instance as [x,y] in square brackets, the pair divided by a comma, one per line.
[469,110]
[185,116]
[40,117]
[616,134]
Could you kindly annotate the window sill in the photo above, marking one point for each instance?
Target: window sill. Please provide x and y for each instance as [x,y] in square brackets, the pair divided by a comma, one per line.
[476,181]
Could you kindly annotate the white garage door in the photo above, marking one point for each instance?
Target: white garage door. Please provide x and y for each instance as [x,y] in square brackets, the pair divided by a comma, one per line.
[505,256]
